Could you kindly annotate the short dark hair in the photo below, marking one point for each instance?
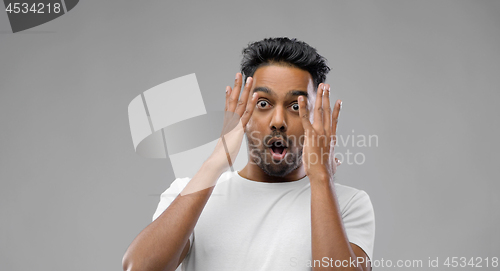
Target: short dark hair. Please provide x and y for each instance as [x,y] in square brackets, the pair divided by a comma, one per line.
[284,51]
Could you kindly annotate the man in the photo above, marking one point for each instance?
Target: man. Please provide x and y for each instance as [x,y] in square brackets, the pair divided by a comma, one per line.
[282,211]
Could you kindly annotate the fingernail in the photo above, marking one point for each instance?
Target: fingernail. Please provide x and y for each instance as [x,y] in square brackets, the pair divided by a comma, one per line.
[340,105]
[227,89]
[236,77]
[324,87]
[301,98]
[248,79]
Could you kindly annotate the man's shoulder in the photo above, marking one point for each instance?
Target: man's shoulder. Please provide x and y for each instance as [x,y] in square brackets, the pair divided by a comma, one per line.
[179,183]
[176,186]
[345,189]
[347,194]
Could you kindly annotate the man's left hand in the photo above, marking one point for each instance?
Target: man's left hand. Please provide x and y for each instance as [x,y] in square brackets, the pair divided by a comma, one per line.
[320,136]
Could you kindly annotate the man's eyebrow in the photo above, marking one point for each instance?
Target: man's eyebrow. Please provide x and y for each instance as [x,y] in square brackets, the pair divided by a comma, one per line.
[263,89]
[297,93]
[290,93]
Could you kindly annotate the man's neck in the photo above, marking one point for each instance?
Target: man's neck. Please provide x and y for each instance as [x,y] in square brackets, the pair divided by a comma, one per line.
[253,172]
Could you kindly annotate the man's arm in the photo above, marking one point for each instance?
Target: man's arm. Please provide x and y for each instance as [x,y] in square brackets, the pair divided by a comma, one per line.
[164,243]
[329,238]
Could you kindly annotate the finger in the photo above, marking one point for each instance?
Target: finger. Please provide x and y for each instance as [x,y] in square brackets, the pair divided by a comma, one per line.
[318,110]
[242,103]
[335,120]
[235,93]
[304,114]
[226,107]
[228,92]
[251,104]
[327,110]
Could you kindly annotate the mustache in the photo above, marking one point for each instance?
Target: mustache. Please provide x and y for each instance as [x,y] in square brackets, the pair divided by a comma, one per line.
[276,135]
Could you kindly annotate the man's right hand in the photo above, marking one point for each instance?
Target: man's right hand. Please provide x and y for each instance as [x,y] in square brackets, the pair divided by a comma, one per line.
[237,113]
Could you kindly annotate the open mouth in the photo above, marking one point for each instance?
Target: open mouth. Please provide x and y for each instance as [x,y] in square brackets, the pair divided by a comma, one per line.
[278,149]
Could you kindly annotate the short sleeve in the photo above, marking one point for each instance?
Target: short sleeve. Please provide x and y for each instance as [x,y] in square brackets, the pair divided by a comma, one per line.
[359,222]
[168,197]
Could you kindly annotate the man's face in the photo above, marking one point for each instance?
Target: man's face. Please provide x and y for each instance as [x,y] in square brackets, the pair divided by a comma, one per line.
[275,133]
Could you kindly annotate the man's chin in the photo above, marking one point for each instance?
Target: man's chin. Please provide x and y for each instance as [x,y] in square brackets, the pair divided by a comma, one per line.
[277,169]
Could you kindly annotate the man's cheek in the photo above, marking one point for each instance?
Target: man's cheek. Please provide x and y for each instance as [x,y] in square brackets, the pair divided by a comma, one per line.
[255,138]
[255,157]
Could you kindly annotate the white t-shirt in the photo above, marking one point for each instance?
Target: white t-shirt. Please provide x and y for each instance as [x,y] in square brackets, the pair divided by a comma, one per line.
[249,225]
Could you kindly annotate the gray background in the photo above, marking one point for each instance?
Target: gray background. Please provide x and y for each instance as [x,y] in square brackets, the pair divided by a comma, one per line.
[422,75]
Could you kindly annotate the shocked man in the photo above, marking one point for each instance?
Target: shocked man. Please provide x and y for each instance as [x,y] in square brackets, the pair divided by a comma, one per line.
[283,210]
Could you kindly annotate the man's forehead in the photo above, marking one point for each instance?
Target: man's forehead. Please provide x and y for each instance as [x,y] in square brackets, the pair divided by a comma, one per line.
[282,80]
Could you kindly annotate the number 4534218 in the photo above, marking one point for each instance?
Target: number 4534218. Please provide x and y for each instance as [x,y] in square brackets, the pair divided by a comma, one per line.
[471,262]
[33,8]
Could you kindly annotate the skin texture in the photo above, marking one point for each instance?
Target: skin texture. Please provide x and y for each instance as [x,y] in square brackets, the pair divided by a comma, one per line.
[279,117]
[164,243]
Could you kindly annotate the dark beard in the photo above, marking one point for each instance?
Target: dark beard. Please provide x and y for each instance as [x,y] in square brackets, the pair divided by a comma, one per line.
[272,168]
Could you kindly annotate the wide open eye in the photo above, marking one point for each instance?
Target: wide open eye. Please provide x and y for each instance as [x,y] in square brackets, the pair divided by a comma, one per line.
[295,107]
[262,104]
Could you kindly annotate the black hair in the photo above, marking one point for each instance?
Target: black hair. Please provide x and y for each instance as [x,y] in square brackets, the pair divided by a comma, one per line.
[284,51]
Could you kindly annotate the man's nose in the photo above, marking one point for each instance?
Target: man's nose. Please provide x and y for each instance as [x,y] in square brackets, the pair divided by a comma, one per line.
[278,121]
